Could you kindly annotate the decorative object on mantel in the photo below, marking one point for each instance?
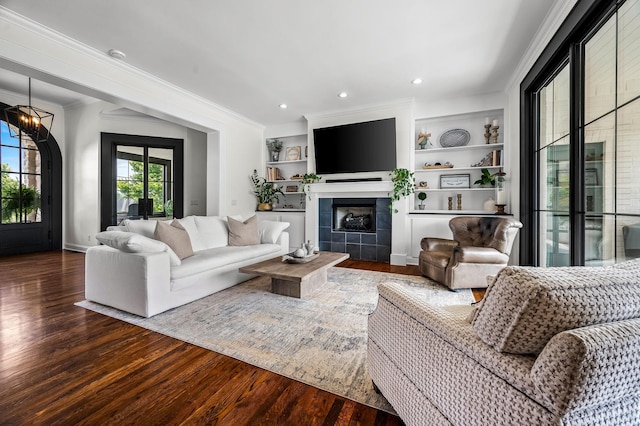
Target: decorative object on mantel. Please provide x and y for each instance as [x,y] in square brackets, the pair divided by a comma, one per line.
[403,186]
[423,139]
[486,179]
[29,120]
[274,146]
[494,131]
[450,199]
[501,192]
[429,166]
[423,184]
[459,196]
[266,192]
[454,137]
[487,126]
[422,196]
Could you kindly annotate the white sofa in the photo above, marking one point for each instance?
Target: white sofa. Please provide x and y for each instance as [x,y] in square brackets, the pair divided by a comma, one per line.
[144,276]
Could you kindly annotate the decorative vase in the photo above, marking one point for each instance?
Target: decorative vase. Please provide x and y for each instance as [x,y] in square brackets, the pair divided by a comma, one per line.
[275,156]
[423,144]
[265,207]
[490,205]
[421,206]
[309,247]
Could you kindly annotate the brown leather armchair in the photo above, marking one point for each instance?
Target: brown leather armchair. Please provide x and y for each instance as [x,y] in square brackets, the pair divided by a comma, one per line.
[480,247]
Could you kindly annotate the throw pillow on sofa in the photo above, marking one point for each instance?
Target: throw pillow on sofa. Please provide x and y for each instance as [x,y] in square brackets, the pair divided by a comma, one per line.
[130,242]
[270,231]
[525,306]
[243,233]
[176,237]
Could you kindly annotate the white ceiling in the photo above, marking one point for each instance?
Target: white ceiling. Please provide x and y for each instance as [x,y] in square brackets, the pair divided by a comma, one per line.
[252,55]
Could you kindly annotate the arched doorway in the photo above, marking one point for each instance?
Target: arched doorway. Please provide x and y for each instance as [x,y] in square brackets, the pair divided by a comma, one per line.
[30,193]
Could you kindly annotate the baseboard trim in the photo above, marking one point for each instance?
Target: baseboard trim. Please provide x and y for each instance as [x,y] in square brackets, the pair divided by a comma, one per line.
[76,247]
[398,259]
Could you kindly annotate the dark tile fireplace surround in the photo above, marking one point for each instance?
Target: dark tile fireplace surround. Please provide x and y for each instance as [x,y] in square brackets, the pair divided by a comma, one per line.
[358,226]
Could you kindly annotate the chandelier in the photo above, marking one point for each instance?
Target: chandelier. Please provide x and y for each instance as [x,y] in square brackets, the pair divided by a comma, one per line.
[29,120]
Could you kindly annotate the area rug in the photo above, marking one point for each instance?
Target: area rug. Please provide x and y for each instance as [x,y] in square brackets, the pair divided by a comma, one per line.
[320,341]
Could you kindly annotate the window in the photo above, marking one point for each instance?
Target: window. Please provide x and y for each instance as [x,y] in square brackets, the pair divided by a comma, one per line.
[581,122]
[20,179]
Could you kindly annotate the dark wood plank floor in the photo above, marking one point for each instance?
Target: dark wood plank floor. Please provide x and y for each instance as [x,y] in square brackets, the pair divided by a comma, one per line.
[61,364]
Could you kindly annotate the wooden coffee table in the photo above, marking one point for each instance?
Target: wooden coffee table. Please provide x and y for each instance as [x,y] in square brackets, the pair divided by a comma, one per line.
[296,279]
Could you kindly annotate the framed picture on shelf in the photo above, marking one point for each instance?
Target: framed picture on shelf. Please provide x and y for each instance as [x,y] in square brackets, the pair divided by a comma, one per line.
[291,188]
[591,177]
[455,181]
[293,153]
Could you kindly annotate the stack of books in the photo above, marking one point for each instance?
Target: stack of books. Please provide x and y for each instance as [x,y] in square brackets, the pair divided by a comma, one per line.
[273,173]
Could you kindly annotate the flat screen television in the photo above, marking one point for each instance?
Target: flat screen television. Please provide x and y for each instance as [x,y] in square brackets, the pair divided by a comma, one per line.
[358,147]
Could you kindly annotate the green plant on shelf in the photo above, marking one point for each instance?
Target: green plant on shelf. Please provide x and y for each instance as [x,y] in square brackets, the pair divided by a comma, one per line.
[422,196]
[403,186]
[266,192]
[486,178]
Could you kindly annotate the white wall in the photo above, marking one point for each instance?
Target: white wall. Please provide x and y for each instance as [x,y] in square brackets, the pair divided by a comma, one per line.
[81,165]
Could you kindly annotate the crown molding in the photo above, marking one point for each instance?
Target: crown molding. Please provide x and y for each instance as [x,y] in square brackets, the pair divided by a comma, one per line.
[555,17]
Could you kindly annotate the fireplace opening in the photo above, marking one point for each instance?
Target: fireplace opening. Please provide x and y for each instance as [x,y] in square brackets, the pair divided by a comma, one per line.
[354,215]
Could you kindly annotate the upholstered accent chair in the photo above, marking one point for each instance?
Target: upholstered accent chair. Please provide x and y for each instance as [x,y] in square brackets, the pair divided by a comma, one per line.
[546,346]
[480,247]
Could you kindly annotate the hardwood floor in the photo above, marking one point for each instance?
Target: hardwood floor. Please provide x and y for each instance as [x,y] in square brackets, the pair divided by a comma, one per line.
[61,364]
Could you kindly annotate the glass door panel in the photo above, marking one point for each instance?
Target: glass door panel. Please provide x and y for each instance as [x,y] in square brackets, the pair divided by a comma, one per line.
[600,72]
[160,182]
[628,159]
[554,167]
[628,51]
[129,181]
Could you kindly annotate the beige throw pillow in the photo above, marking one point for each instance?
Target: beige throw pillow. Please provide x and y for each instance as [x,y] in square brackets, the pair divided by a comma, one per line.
[176,237]
[243,233]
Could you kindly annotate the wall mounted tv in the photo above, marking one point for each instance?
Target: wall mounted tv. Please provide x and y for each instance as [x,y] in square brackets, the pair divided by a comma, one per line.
[358,147]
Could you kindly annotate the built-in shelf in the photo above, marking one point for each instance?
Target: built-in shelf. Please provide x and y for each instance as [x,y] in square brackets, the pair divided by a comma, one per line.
[466,161]
[455,212]
[446,169]
[454,189]
[460,148]
[276,163]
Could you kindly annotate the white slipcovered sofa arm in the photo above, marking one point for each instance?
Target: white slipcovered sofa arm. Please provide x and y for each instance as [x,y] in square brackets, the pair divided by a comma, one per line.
[127,281]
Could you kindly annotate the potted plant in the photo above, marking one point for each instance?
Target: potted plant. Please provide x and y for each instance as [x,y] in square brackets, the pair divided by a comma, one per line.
[403,186]
[274,146]
[266,192]
[422,196]
[307,179]
[486,179]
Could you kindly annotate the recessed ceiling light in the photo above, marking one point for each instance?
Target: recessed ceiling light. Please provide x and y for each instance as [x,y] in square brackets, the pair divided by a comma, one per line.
[117,54]
[416,81]
[283,106]
[342,95]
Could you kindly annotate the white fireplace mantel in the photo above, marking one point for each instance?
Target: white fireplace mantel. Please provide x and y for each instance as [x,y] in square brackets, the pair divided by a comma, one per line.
[362,189]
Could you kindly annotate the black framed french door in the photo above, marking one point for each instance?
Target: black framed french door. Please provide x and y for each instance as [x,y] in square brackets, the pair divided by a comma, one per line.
[30,192]
[142,178]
